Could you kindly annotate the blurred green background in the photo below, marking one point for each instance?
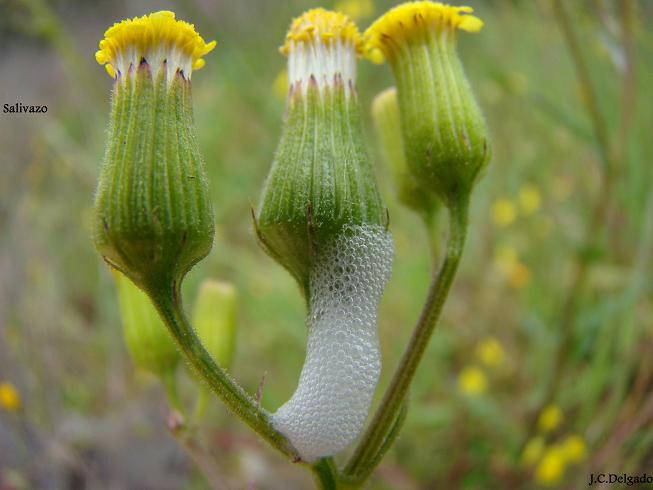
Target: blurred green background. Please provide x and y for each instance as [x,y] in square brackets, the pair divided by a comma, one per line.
[541,369]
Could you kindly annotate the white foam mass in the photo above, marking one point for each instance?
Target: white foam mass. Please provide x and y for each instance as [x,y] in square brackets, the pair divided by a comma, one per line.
[342,366]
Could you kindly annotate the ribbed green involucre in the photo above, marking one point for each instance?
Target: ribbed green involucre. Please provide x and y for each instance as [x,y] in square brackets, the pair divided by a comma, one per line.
[153,217]
[321,179]
[445,135]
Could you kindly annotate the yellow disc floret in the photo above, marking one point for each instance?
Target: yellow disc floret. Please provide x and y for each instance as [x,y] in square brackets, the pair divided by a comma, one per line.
[157,35]
[411,19]
[9,397]
[323,25]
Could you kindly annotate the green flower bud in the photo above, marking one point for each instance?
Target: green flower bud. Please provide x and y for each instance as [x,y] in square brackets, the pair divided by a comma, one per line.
[215,320]
[153,217]
[387,123]
[321,179]
[445,135]
[150,345]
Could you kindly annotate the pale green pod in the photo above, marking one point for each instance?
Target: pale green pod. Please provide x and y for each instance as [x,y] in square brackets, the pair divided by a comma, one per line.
[214,319]
[150,345]
[387,125]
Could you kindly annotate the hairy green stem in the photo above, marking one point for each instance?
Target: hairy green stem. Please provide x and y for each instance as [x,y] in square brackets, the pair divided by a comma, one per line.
[393,432]
[167,300]
[365,457]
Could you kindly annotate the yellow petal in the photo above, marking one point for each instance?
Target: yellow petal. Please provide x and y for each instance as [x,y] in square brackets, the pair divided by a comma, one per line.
[324,25]
[148,32]
[410,19]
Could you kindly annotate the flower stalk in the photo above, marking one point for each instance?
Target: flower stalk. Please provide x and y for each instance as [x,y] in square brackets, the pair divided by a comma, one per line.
[167,300]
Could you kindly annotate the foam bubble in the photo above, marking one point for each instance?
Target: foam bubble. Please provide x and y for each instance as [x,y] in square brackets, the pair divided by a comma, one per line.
[342,366]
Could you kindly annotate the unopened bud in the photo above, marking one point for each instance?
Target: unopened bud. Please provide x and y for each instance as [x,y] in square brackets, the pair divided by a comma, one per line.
[387,123]
[150,345]
[215,320]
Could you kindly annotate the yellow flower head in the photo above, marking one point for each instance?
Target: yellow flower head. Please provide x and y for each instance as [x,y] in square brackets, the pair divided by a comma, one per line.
[550,418]
[503,212]
[519,276]
[551,467]
[529,199]
[490,352]
[411,20]
[515,272]
[573,448]
[505,258]
[157,38]
[322,49]
[472,381]
[532,451]
[324,26]
[9,397]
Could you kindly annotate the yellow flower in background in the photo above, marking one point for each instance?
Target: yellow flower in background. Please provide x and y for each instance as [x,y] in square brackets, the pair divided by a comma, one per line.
[550,463]
[490,352]
[550,418]
[355,9]
[504,212]
[573,448]
[551,468]
[9,397]
[506,260]
[505,257]
[280,85]
[532,451]
[472,381]
[530,199]
[519,276]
